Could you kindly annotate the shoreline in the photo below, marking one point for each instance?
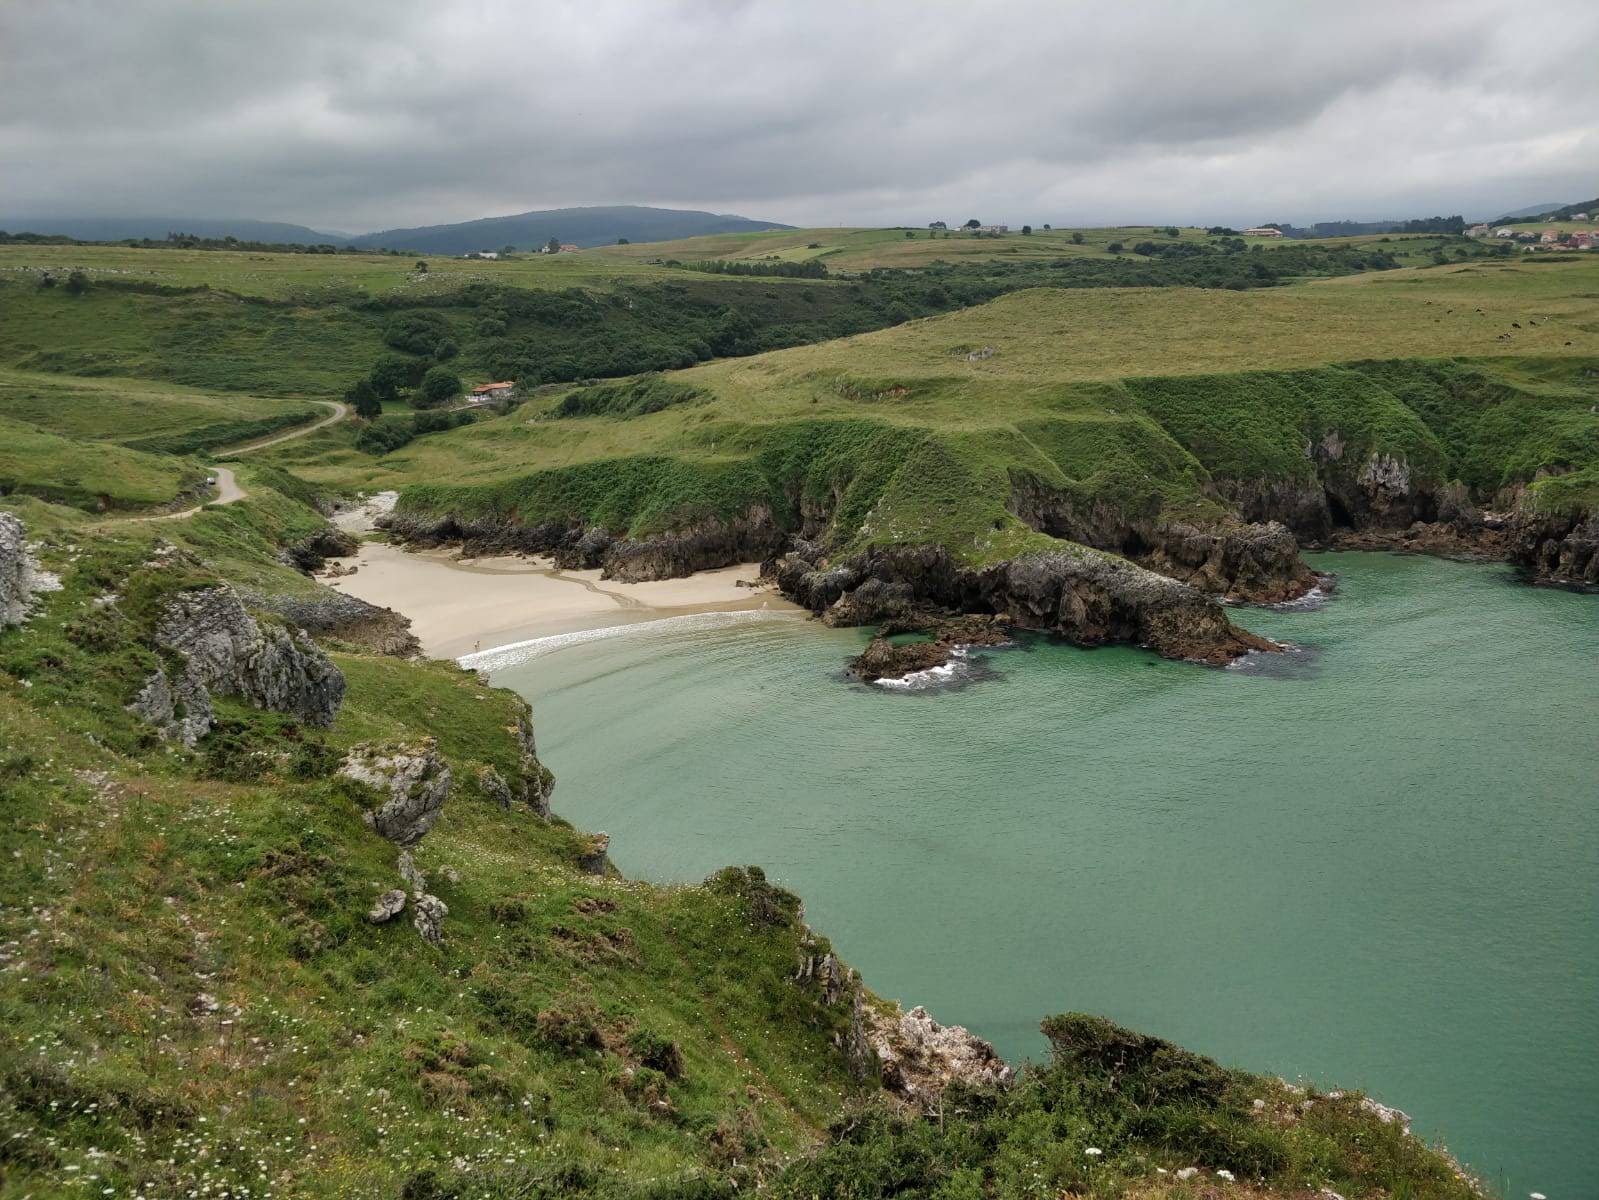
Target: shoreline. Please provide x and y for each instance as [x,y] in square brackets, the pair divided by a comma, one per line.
[462,606]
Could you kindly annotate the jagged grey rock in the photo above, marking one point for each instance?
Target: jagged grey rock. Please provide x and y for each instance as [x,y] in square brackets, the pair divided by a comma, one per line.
[494,786]
[413,782]
[919,1058]
[534,783]
[411,873]
[225,651]
[228,652]
[181,713]
[429,918]
[20,578]
[387,906]
[595,860]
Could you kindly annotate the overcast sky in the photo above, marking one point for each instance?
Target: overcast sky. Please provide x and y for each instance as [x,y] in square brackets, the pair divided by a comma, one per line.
[366,114]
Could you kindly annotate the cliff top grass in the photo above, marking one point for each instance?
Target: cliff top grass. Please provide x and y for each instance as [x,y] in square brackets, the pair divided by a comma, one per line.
[1136,397]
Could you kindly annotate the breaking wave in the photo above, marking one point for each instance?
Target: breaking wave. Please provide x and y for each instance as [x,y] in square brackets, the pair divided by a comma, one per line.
[501,657]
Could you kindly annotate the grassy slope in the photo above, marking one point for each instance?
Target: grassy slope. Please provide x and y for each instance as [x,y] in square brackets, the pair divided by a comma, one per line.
[1117,392]
[39,463]
[142,415]
[245,877]
[193,1001]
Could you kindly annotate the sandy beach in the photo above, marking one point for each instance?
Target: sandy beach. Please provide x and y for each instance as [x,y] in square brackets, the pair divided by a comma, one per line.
[461,606]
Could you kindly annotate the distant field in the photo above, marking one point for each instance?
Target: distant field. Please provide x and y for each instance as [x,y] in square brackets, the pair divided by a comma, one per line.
[845,250]
[142,414]
[318,277]
[1043,339]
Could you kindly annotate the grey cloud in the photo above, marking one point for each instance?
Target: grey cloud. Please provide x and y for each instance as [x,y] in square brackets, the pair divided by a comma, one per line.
[371,114]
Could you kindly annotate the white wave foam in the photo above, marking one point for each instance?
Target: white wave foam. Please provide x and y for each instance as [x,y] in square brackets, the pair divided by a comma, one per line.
[1313,599]
[932,676]
[500,657]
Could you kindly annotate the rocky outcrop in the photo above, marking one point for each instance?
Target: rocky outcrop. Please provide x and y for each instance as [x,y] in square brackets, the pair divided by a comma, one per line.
[328,613]
[706,545]
[1557,548]
[223,651]
[1255,561]
[181,712]
[918,1058]
[1083,596]
[20,579]
[595,856]
[411,782]
[387,906]
[311,552]
[885,659]
[428,918]
[533,783]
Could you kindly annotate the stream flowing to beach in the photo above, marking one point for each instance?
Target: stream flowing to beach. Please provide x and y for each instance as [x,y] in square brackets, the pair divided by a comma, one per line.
[1374,864]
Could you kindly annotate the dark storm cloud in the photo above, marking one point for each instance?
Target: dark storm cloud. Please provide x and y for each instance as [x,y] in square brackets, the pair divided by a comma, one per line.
[373,114]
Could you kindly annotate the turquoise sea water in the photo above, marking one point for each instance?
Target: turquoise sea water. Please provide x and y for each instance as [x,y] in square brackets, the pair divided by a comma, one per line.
[1375,864]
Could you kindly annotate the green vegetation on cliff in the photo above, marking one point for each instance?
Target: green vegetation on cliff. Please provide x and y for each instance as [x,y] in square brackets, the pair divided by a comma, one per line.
[1139,404]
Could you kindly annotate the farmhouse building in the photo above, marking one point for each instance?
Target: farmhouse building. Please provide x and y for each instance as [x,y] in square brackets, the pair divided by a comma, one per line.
[493,395]
[1263,231]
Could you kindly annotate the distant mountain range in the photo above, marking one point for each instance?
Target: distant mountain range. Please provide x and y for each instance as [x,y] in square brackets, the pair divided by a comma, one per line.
[577,226]
[1547,212]
[598,226]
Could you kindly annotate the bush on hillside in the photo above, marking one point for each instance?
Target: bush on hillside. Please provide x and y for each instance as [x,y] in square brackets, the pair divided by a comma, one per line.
[439,386]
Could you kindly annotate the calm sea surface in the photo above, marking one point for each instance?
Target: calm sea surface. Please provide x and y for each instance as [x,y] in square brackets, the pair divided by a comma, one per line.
[1375,864]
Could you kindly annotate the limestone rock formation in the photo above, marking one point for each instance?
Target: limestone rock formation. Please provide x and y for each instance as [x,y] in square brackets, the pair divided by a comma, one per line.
[225,652]
[1082,595]
[493,785]
[311,553]
[595,858]
[884,659]
[330,613]
[412,783]
[20,578]
[919,1058]
[387,906]
[428,918]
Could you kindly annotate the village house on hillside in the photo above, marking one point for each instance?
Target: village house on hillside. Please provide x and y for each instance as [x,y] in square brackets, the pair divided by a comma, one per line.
[493,395]
[1263,231]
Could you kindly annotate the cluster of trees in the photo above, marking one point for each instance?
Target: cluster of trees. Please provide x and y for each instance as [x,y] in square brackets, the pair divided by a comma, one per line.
[774,267]
[388,434]
[1326,229]
[426,341]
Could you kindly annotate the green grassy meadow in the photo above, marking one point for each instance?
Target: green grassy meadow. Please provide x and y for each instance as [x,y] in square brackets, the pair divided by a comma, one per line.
[1141,394]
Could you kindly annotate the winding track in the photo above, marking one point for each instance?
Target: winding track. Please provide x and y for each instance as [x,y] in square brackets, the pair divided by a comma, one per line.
[228,489]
